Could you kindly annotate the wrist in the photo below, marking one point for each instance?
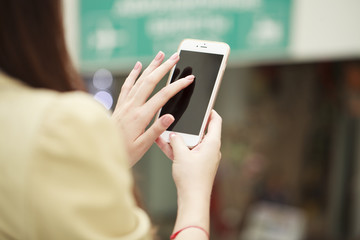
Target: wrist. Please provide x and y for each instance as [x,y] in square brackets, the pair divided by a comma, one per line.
[204,231]
[193,200]
[193,210]
[192,192]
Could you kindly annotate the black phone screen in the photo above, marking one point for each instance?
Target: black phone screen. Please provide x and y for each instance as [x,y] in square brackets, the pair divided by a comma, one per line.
[189,105]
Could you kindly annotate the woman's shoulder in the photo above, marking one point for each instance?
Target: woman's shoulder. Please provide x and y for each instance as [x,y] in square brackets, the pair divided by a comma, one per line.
[79,154]
[78,106]
[77,118]
[46,120]
[68,153]
[17,97]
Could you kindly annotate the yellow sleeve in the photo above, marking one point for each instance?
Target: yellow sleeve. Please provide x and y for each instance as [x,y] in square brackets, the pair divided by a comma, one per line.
[79,184]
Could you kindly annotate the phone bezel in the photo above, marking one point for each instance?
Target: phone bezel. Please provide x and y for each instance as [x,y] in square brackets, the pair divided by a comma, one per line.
[202,46]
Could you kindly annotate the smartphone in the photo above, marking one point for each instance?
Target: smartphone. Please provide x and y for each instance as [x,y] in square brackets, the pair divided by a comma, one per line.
[191,107]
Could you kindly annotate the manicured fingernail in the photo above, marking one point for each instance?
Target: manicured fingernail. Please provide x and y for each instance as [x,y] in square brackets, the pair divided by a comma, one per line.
[137,65]
[172,135]
[159,55]
[167,120]
[190,77]
[174,56]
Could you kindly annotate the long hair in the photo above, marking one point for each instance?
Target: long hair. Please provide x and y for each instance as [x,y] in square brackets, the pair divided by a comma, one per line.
[33,47]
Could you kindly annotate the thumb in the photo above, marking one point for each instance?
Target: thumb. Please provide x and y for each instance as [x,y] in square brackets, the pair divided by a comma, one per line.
[177,144]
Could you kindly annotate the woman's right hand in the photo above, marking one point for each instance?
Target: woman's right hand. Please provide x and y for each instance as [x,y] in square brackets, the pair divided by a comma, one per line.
[194,170]
[194,173]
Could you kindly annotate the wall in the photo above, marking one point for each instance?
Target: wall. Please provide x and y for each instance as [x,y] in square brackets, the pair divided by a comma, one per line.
[326,29]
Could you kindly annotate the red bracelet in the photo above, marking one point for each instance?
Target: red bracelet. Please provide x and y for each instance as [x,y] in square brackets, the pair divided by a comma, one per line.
[174,235]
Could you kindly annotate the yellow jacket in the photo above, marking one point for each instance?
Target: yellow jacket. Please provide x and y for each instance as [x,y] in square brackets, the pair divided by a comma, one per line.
[63,170]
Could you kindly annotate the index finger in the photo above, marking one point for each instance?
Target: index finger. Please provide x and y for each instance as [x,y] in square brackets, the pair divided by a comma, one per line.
[147,85]
[164,68]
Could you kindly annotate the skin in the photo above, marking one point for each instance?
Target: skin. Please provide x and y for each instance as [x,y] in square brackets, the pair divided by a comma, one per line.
[193,170]
[134,110]
[194,173]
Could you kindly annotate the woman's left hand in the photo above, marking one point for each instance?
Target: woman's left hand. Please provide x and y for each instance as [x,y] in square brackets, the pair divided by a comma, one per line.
[134,111]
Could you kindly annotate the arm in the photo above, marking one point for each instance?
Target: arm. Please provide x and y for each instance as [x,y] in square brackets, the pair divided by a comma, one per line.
[193,170]
[194,173]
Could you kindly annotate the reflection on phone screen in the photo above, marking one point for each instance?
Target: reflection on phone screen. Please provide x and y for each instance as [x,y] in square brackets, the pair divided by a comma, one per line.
[189,105]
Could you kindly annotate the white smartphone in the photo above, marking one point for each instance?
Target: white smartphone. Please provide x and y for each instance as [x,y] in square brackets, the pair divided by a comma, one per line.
[191,107]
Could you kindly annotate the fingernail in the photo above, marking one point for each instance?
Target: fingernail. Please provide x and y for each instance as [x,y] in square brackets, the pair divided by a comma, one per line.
[137,66]
[190,77]
[174,56]
[172,135]
[167,120]
[159,55]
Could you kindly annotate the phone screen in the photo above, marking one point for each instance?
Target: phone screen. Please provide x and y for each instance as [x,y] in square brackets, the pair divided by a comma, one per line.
[189,105]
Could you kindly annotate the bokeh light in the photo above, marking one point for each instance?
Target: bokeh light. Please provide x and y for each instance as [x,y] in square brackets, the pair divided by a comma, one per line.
[104,98]
[102,79]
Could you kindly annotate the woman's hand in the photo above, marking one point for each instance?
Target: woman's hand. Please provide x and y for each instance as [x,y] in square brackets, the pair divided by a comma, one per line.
[194,170]
[194,173]
[134,111]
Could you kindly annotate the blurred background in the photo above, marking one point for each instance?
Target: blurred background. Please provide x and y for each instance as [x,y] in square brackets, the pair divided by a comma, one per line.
[290,102]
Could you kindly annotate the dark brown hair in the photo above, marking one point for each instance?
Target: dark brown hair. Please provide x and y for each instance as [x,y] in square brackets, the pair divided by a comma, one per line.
[33,47]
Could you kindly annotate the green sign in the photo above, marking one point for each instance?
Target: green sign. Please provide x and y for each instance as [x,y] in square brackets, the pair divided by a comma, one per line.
[116,33]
